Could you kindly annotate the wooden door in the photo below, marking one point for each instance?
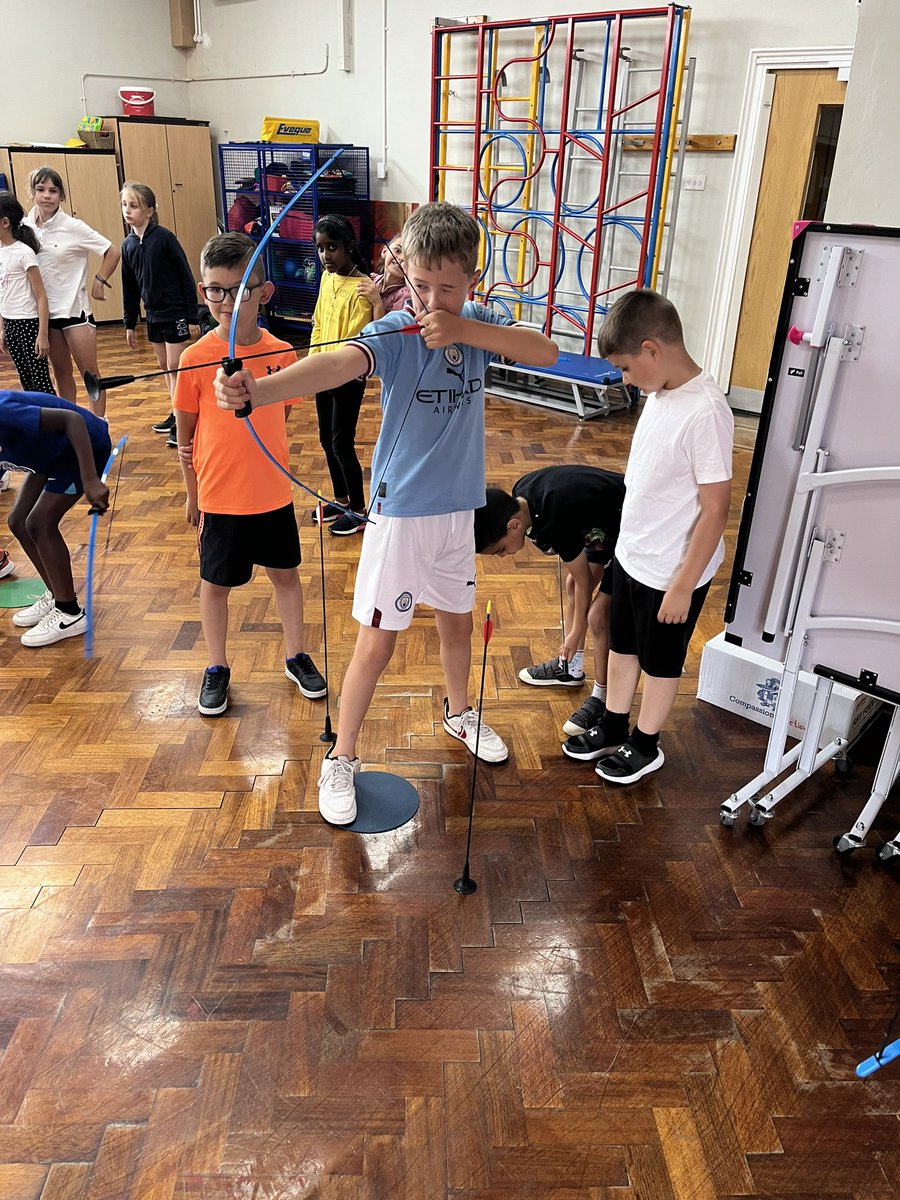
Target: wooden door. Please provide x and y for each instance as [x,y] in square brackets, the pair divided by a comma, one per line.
[145,159]
[796,102]
[94,199]
[25,161]
[193,193]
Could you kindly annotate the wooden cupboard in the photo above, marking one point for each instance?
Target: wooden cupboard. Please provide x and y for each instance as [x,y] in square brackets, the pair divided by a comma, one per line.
[174,158]
[91,180]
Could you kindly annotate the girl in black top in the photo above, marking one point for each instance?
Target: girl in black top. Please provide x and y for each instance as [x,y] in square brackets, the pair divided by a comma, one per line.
[156,271]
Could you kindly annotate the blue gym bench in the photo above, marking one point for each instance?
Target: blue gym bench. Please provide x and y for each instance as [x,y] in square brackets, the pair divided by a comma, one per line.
[579,383]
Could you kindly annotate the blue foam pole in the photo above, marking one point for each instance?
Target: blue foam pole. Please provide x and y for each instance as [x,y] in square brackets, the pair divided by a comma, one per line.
[870,1065]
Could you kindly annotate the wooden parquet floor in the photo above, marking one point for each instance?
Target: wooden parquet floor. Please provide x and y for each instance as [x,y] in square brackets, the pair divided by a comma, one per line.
[208,994]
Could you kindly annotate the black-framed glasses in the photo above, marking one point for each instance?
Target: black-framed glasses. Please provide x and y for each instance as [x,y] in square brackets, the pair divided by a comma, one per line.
[217,294]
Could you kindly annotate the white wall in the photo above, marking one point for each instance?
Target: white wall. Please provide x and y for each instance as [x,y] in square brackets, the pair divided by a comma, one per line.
[865,181]
[251,36]
[47,46]
[41,86]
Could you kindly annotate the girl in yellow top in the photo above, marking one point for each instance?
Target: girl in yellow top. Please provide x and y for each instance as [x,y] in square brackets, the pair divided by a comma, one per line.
[340,313]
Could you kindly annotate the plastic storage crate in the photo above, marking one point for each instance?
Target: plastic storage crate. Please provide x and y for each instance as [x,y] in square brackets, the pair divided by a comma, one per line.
[258,178]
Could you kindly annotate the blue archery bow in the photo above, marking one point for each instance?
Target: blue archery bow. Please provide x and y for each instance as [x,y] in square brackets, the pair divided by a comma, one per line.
[233,365]
[91,550]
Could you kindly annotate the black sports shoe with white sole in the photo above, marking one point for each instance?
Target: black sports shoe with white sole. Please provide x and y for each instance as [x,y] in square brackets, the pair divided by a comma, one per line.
[304,672]
[347,524]
[586,717]
[330,512]
[593,744]
[552,673]
[628,765]
[214,692]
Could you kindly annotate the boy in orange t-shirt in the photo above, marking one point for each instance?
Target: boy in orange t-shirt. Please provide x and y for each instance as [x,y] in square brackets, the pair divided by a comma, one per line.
[242,506]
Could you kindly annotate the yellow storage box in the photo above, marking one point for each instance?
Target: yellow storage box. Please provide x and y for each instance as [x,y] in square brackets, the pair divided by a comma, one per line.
[283,129]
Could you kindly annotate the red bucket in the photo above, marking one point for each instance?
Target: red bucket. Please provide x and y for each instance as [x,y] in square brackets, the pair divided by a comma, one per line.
[137,101]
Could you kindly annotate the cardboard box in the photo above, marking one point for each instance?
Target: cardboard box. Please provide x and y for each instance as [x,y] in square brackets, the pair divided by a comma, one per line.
[287,130]
[747,683]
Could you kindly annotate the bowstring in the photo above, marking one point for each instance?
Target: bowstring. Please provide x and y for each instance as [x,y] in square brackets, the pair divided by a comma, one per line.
[115,498]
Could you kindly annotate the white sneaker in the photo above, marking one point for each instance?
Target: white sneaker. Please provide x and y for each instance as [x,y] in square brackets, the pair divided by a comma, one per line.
[55,626]
[6,566]
[26,617]
[337,789]
[4,481]
[464,727]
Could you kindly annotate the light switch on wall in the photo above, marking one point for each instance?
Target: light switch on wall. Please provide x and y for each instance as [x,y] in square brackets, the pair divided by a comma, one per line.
[694,183]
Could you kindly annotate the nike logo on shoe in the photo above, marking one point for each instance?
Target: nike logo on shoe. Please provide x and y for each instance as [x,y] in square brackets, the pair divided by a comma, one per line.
[69,624]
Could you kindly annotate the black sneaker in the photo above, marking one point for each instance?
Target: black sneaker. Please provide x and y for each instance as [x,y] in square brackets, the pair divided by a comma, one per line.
[172,440]
[165,425]
[590,714]
[627,764]
[595,743]
[330,512]
[214,693]
[304,672]
[347,524]
[552,673]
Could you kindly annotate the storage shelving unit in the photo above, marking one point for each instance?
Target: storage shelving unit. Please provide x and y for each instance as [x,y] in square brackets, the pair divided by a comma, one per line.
[257,180]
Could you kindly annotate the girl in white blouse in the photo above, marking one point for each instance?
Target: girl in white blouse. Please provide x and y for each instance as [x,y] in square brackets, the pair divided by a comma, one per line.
[66,244]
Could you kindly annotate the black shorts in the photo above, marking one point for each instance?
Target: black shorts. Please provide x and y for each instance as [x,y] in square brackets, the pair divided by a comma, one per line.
[83,318]
[605,561]
[634,630]
[172,332]
[231,546]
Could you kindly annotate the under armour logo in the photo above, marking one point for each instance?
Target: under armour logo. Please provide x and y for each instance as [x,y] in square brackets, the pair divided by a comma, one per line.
[625,751]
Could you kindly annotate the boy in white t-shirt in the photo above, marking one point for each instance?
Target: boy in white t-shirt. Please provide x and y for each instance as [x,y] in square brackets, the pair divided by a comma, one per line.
[677,495]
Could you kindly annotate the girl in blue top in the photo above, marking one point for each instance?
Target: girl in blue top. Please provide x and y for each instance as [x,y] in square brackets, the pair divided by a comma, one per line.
[63,449]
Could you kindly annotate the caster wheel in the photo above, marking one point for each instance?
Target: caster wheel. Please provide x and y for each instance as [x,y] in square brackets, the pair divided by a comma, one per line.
[728,818]
[758,817]
[887,852]
[843,766]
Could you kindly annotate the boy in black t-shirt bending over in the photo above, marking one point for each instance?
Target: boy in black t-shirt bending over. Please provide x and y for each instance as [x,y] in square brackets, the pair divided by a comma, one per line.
[573,512]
